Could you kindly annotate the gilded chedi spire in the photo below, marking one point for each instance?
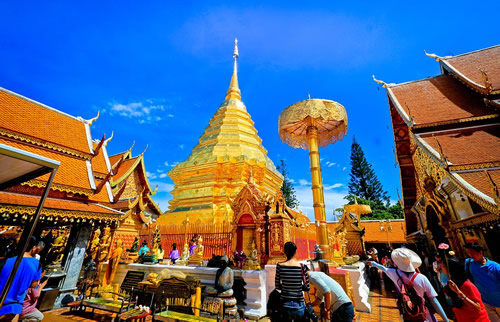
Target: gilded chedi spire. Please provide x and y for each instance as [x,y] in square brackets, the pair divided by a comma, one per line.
[227,154]
[234,90]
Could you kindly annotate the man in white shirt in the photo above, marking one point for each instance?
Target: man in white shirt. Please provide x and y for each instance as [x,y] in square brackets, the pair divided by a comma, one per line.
[406,262]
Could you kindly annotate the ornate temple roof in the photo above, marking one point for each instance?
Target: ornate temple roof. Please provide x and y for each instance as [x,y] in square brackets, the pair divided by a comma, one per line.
[455,119]
[377,231]
[72,175]
[26,204]
[478,69]
[40,123]
[418,102]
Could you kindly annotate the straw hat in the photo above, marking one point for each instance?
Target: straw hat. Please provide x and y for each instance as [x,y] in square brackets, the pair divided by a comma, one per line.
[406,259]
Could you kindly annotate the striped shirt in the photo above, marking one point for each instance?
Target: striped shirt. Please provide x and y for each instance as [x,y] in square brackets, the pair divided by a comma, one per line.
[289,281]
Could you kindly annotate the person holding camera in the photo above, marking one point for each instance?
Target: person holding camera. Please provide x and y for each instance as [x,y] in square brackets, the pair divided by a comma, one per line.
[337,304]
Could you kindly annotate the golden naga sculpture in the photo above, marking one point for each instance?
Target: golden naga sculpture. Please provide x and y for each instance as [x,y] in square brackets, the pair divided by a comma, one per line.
[184,256]
[114,259]
[310,124]
[197,257]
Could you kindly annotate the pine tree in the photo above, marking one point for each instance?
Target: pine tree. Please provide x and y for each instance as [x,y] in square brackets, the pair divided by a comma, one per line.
[364,183]
[287,187]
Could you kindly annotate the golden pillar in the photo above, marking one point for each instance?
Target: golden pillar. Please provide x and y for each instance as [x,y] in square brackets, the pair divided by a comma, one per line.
[317,190]
[310,124]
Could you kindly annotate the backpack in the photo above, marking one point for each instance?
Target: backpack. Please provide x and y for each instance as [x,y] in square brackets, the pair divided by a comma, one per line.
[411,305]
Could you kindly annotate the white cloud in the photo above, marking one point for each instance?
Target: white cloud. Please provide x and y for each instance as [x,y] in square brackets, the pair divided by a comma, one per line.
[174,164]
[304,182]
[330,164]
[333,200]
[159,170]
[170,115]
[150,175]
[333,186]
[163,175]
[166,163]
[144,112]
[344,168]
[181,146]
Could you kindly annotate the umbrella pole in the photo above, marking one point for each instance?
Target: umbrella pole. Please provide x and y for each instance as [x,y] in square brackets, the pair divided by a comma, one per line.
[317,190]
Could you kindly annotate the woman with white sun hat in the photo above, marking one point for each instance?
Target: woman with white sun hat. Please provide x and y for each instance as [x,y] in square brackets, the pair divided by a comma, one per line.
[407,261]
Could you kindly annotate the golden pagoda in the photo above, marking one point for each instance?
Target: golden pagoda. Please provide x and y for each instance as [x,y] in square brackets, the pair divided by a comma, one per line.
[228,155]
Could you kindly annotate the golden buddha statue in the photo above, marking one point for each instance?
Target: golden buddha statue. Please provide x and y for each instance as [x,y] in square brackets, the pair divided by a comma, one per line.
[94,244]
[114,259]
[184,256]
[197,257]
[253,261]
[57,248]
[104,245]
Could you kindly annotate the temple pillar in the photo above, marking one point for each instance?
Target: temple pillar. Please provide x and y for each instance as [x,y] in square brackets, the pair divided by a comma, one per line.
[279,235]
[79,238]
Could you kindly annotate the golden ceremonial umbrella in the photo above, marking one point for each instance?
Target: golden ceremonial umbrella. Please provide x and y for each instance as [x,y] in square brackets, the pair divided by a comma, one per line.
[310,124]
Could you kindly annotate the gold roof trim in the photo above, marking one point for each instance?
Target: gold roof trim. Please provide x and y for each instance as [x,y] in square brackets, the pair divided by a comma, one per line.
[464,120]
[485,204]
[92,120]
[11,209]
[45,144]
[59,187]
[475,166]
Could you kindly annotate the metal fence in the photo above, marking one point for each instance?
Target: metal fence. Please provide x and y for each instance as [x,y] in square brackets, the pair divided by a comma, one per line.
[217,238]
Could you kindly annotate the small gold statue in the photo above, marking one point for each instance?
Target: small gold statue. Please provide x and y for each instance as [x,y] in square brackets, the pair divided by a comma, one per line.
[94,244]
[197,257]
[253,261]
[104,245]
[184,256]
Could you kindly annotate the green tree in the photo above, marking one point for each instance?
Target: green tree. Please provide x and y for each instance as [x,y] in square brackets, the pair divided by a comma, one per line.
[287,187]
[365,187]
[364,183]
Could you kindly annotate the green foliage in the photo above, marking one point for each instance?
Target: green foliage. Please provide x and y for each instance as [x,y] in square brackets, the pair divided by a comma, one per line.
[365,186]
[287,187]
[364,183]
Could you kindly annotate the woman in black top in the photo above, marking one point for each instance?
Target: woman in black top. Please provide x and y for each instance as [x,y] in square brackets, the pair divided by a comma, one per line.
[289,280]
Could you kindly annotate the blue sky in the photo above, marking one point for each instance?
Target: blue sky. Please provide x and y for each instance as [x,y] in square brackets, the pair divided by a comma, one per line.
[158,70]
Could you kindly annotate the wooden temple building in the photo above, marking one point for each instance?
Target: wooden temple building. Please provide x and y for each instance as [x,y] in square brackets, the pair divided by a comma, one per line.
[91,192]
[447,137]
[229,178]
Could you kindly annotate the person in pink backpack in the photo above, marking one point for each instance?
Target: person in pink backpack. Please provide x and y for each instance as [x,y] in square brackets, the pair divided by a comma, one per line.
[411,284]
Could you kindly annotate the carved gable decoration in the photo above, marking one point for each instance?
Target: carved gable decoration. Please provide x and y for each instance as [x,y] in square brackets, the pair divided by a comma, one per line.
[249,196]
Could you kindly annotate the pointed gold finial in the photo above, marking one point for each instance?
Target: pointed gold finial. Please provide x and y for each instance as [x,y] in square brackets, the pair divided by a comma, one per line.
[107,141]
[92,120]
[234,90]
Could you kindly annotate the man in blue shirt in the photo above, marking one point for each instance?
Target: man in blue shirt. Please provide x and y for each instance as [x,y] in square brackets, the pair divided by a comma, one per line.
[28,274]
[485,274]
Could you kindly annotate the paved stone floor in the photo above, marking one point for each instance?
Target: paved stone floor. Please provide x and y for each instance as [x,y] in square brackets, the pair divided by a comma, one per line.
[382,299]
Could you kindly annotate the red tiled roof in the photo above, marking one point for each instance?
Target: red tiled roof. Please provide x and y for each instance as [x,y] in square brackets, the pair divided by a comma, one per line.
[71,172]
[24,116]
[478,180]
[467,147]
[52,203]
[438,99]
[471,64]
